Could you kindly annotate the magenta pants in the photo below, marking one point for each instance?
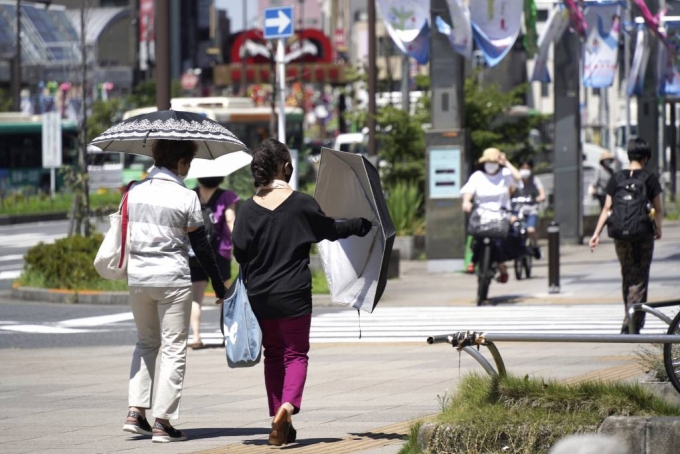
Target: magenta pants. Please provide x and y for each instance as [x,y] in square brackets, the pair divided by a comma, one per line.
[286,344]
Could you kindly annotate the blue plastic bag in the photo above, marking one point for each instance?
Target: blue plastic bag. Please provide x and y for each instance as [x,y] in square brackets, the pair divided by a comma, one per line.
[242,333]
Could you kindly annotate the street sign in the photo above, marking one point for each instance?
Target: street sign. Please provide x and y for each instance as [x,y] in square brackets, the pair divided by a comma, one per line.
[51,140]
[278,22]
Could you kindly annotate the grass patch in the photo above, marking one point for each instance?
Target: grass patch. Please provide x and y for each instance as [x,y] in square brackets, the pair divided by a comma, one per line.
[529,415]
[19,204]
[411,447]
[650,357]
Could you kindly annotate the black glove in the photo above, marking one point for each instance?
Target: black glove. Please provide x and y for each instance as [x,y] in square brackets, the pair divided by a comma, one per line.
[365,228]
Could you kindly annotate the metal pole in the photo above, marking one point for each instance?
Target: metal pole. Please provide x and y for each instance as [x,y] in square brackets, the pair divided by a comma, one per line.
[281,70]
[554,257]
[244,80]
[85,199]
[405,92]
[162,38]
[17,62]
[372,149]
[626,66]
[674,149]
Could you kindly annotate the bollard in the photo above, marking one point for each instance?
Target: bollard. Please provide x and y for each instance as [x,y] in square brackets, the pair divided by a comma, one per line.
[554,257]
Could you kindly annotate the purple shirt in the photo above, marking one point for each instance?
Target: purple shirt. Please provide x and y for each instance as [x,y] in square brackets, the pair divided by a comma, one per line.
[224,201]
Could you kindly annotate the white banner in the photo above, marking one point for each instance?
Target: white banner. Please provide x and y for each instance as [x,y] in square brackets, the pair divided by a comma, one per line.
[460,32]
[495,27]
[404,19]
[51,140]
[552,31]
[639,66]
[601,50]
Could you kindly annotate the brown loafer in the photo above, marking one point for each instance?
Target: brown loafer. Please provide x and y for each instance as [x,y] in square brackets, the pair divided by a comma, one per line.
[280,428]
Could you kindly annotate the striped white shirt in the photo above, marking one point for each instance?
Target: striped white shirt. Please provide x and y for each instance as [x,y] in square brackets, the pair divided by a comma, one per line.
[160,209]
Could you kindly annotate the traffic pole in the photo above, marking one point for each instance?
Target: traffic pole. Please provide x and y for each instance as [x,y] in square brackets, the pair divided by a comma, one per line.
[281,70]
[554,257]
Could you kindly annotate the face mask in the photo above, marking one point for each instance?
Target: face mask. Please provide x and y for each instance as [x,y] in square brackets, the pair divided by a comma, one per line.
[525,173]
[491,167]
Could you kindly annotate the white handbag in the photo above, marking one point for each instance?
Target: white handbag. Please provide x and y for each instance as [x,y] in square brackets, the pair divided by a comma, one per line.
[112,258]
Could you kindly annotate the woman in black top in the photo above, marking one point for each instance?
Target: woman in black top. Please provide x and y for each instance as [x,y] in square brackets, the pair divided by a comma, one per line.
[272,239]
[635,256]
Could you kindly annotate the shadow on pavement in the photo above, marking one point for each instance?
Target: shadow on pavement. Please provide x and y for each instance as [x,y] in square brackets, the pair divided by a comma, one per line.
[381,436]
[298,443]
[215,432]
[507,299]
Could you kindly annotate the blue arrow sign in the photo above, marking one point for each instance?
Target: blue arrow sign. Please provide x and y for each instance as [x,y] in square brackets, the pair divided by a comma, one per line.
[278,22]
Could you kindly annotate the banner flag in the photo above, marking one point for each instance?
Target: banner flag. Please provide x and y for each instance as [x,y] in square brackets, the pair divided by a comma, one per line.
[669,74]
[406,22]
[530,35]
[554,29]
[495,27]
[601,50]
[639,66]
[460,32]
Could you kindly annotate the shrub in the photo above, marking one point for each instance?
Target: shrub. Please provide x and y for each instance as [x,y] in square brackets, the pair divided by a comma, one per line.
[404,201]
[65,264]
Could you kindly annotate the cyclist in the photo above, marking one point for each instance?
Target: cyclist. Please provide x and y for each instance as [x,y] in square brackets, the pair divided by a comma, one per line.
[531,188]
[491,188]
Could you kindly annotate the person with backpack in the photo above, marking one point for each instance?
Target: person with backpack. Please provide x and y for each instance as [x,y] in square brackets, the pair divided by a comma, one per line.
[218,210]
[633,214]
[604,173]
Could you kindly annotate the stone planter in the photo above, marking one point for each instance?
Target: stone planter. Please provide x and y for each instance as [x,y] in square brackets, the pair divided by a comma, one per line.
[664,390]
[410,247]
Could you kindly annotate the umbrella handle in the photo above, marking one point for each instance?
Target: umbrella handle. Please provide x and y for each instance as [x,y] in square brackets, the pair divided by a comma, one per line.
[146,137]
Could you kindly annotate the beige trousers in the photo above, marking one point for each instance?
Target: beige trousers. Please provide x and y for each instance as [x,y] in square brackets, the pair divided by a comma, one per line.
[162,319]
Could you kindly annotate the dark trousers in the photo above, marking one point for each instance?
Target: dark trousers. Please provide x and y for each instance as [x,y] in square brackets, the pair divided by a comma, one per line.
[635,258]
[286,344]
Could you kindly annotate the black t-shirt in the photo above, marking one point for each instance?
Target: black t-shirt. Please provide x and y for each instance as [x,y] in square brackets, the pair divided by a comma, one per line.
[273,246]
[652,183]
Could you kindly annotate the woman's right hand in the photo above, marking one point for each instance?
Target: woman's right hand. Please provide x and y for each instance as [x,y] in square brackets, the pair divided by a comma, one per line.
[594,242]
[467,206]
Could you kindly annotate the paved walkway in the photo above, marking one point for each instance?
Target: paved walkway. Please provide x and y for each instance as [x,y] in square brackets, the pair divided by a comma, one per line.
[359,397]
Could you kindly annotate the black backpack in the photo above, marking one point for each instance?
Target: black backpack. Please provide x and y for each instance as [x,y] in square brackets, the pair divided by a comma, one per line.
[629,219]
[209,219]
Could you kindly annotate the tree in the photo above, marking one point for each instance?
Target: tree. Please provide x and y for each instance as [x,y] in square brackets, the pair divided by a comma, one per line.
[144,93]
[103,115]
[5,101]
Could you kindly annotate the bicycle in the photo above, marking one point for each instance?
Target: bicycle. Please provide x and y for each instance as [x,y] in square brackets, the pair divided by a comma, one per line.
[524,262]
[491,224]
[486,270]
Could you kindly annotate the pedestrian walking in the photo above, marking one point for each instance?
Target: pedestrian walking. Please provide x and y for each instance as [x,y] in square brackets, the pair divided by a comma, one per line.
[533,189]
[164,220]
[218,207]
[272,239]
[603,174]
[633,213]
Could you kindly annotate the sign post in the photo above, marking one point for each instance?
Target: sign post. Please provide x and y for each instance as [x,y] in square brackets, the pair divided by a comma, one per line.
[278,24]
[51,145]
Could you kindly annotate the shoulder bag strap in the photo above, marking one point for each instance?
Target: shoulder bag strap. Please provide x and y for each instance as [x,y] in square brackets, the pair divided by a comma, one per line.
[124,224]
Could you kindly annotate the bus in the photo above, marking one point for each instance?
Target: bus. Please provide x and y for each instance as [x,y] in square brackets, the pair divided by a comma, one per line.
[21,156]
[250,123]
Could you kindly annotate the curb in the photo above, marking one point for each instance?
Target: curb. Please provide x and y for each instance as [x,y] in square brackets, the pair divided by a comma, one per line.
[98,297]
[31,218]
[70,296]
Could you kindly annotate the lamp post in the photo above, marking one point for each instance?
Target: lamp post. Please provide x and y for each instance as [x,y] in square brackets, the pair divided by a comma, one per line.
[17,62]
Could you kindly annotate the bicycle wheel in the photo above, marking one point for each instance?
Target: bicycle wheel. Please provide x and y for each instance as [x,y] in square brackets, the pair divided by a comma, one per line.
[671,355]
[519,265]
[483,279]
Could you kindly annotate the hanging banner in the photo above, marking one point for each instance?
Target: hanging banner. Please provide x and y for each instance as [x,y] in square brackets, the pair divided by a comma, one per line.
[554,29]
[147,44]
[639,66]
[601,50]
[669,74]
[495,27]
[460,32]
[404,19]
[419,48]
[530,35]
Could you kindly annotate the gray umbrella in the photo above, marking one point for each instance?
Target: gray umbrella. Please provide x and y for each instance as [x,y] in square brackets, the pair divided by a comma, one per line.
[356,268]
[137,134]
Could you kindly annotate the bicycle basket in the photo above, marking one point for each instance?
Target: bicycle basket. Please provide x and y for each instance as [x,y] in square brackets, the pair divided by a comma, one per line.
[489,223]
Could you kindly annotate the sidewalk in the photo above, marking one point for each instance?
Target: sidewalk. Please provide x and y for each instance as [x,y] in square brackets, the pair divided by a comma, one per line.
[357,399]
[585,277]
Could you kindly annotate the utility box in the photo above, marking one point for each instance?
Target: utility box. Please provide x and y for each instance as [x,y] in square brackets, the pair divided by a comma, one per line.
[444,217]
